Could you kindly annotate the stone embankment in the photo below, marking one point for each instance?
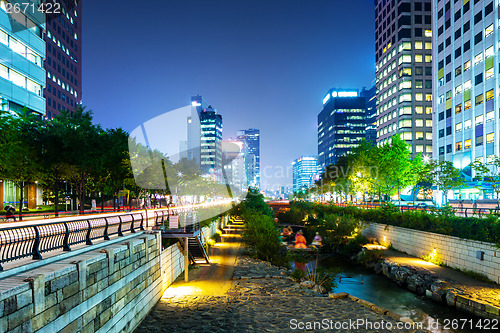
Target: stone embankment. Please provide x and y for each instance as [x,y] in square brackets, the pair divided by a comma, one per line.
[477,298]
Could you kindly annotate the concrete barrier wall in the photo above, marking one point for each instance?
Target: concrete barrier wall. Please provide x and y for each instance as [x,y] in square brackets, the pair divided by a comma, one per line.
[110,290]
[107,290]
[452,251]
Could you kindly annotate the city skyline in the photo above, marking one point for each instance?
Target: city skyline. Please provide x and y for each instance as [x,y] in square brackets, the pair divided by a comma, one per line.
[275,84]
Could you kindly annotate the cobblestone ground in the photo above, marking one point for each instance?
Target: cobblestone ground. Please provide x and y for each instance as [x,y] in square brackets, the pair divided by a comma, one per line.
[263,299]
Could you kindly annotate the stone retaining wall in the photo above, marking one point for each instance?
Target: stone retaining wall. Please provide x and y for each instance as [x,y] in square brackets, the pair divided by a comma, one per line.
[106,290]
[110,290]
[452,251]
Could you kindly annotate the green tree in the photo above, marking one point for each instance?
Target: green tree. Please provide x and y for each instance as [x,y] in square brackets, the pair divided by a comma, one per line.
[20,145]
[490,173]
[396,169]
[445,176]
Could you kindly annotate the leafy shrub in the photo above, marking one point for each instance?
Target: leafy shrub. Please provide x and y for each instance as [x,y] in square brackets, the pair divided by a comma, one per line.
[441,221]
[370,256]
[262,237]
[355,245]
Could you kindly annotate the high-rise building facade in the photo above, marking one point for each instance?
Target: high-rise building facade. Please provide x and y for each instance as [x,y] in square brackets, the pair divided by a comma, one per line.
[370,96]
[251,138]
[341,125]
[303,171]
[64,58]
[22,51]
[211,142]
[233,161]
[22,79]
[403,45]
[466,118]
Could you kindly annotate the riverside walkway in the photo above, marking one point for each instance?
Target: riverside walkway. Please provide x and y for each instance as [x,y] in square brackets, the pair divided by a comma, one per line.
[235,293]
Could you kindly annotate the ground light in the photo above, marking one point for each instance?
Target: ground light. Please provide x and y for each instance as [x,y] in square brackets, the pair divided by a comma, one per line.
[180,291]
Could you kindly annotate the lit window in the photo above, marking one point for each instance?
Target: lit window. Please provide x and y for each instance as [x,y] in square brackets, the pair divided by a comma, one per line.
[419,84]
[479,99]
[428,45]
[419,97]
[478,58]
[405,72]
[489,30]
[418,58]
[404,46]
[467,105]
[428,33]
[467,143]
[458,108]
[467,85]
[428,123]
[428,58]
[428,109]
[419,122]
[419,148]
[418,45]
[458,89]
[490,95]
[458,146]
[405,110]
[404,59]
[419,135]
[407,136]
[428,148]
[489,73]
[404,98]
[458,127]
[467,65]
[405,123]
[490,116]
[428,135]
[479,119]
[428,97]
[404,85]
[490,137]
[489,52]
[467,124]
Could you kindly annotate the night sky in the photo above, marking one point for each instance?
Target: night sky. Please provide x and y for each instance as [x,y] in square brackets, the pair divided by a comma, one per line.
[261,64]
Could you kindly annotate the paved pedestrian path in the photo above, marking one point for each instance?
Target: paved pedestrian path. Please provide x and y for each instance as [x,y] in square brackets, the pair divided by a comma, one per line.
[240,294]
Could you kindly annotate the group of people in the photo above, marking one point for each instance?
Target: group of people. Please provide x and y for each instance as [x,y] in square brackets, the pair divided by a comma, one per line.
[300,241]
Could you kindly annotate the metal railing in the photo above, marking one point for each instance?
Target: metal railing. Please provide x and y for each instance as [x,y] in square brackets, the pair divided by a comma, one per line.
[34,240]
[188,223]
[458,210]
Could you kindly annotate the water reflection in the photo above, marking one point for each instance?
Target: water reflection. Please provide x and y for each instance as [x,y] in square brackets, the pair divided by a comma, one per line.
[379,290]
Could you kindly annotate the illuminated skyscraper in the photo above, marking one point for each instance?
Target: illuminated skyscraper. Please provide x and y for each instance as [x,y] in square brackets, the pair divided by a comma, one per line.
[466,118]
[341,125]
[303,169]
[251,138]
[403,45]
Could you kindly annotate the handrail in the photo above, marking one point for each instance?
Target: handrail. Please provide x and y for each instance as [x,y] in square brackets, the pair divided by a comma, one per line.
[34,239]
[458,210]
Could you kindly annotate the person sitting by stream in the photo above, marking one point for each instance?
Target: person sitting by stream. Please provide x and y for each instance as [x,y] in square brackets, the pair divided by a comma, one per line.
[317,240]
[286,233]
[300,241]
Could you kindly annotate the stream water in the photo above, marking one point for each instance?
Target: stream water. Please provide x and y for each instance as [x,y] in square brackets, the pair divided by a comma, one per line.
[377,289]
